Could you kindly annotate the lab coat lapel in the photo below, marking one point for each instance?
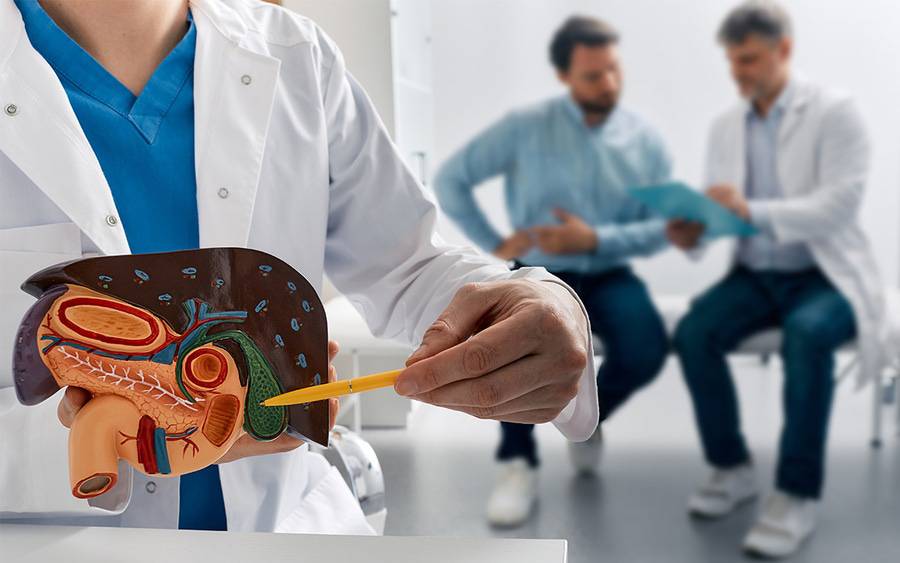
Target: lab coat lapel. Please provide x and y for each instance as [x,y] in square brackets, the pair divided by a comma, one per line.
[790,126]
[234,90]
[739,163]
[36,113]
[793,116]
[792,119]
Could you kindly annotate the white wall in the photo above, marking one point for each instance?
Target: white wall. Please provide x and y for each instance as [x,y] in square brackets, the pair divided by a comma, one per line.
[490,56]
[362,30]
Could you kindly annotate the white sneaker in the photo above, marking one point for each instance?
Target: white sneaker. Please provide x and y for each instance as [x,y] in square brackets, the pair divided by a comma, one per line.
[514,494]
[585,455]
[784,524]
[725,491]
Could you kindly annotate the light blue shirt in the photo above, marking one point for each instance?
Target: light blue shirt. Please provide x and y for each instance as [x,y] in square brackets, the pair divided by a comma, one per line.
[763,251]
[549,159]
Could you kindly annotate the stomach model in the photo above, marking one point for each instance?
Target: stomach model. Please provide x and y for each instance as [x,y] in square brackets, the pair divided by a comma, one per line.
[167,401]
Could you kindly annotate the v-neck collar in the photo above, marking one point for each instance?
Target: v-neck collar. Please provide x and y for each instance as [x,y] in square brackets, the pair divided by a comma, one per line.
[68,59]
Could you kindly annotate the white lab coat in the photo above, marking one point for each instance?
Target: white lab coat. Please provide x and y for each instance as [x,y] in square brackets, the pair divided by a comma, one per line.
[822,160]
[292,159]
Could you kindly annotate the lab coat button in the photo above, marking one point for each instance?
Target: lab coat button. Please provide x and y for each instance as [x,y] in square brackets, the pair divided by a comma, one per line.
[246,79]
[112,220]
[150,487]
[223,193]
[12,110]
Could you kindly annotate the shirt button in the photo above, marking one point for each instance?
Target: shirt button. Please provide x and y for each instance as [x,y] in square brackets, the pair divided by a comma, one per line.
[246,79]
[11,110]
[223,193]
[150,487]
[112,220]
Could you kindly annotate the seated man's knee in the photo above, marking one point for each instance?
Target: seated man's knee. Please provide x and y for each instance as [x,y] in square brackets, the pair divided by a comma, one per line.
[692,332]
[639,351]
[647,361]
[805,334]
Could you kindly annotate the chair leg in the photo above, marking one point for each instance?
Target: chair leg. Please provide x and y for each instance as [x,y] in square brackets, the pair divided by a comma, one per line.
[877,396]
[848,369]
[897,401]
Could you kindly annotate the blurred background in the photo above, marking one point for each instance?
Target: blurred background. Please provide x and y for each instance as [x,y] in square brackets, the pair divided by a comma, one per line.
[440,71]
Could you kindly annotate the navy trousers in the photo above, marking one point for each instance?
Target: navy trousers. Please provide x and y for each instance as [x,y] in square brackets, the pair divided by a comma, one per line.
[815,318]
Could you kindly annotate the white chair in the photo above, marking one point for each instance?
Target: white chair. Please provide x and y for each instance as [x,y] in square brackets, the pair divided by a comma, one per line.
[768,342]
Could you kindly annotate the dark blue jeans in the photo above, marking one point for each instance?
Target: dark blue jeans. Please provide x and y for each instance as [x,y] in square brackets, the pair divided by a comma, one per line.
[634,347]
[815,319]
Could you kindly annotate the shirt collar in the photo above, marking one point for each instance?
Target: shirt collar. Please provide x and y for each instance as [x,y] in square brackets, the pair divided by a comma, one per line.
[782,102]
[68,59]
[575,111]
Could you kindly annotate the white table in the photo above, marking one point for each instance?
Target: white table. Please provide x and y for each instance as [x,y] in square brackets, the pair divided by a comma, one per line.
[26,543]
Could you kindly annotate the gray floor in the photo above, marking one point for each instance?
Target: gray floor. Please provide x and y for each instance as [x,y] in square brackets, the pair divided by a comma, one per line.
[439,473]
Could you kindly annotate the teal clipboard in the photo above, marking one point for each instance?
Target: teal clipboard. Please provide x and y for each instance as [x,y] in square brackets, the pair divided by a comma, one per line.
[675,200]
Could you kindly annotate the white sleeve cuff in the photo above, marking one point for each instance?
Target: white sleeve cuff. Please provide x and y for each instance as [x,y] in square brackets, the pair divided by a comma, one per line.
[579,419]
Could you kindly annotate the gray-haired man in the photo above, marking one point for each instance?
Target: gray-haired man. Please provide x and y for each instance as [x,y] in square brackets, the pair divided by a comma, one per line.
[792,159]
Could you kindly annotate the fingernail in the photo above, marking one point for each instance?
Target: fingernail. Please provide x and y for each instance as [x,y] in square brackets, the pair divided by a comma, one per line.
[406,386]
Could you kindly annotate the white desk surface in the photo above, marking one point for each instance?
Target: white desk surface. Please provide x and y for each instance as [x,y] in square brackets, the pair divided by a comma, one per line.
[25,543]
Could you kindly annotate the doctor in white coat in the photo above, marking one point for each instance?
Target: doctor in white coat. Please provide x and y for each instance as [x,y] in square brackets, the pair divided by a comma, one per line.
[292,159]
[793,159]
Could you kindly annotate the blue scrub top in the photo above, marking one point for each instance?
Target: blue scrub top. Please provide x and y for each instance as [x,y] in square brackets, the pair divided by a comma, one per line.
[145,143]
[145,146]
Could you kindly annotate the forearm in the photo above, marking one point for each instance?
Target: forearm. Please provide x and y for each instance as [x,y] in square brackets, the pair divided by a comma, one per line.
[625,240]
[822,212]
[455,195]
[401,275]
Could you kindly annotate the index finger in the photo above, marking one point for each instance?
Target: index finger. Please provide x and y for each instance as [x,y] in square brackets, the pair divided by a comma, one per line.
[487,351]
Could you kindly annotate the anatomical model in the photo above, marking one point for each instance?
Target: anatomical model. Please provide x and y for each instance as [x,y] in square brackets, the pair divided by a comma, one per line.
[178,349]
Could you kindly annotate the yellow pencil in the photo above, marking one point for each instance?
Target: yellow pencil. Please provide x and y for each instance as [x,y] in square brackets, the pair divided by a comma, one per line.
[335,389]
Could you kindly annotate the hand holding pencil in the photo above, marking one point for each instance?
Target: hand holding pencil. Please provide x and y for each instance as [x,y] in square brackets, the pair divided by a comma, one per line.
[513,350]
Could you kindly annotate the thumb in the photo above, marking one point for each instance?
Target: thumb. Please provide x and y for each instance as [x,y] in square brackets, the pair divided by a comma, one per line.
[456,323]
[562,214]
